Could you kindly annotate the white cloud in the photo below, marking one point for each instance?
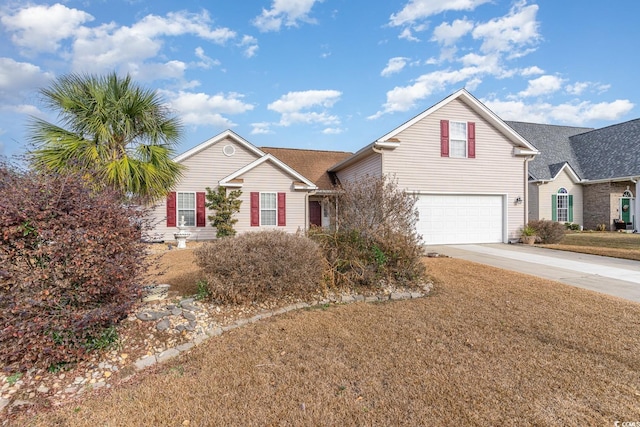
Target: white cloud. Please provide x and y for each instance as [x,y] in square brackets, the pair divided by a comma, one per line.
[403,98]
[205,62]
[16,78]
[287,12]
[296,101]
[250,44]
[543,85]
[576,114]
[150,71]
[261,128]
[448,34]
[41,28]
[108,47]
[394,65]
[333,131]
[530,71]
[293,107]
[579,88]
[204,109]
[407,34]
[511,33]
[416,10]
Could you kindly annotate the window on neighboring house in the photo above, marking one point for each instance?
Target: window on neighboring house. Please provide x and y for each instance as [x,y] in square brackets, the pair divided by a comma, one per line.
[562,206]
[268,208]
[457,139]
[187,209]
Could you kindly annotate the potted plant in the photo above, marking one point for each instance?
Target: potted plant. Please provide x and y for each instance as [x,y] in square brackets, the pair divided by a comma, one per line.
[528,235]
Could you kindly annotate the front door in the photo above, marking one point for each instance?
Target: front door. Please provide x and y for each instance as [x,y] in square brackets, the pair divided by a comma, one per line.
[626,209]
[315,213]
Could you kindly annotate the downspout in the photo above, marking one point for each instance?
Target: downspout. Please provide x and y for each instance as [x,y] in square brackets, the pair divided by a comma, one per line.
[379,151]
[306,211]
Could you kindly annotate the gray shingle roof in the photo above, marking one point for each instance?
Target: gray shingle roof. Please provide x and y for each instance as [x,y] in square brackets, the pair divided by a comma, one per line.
[554,145]
[609,152]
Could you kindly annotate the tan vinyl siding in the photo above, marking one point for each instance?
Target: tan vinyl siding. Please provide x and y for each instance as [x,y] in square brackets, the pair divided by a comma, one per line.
[369,166]
[419,167]
[546,190]
[203,170]
[269,178]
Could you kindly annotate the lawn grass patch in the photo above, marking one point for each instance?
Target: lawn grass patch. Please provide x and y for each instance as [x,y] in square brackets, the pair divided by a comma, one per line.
[613,244]
[487,347]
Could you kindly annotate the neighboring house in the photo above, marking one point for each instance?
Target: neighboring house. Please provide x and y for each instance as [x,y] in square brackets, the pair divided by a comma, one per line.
[467,168]
[274,195]
[585,176]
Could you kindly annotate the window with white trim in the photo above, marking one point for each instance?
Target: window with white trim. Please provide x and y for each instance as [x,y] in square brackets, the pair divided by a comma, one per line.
[268,209]
[627,193]
[562,207]
[457,139]
[187,209]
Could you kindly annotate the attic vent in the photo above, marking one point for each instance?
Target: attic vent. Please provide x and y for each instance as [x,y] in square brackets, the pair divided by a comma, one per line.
[229,150]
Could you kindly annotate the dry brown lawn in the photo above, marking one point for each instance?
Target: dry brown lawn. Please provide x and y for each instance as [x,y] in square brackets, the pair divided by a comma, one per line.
[617,245]
[175,267]
[487,347]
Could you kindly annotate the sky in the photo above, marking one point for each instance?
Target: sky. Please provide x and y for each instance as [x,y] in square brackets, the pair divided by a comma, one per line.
[326,74]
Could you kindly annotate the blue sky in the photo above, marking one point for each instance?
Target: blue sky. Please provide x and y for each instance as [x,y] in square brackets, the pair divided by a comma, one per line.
[327,74]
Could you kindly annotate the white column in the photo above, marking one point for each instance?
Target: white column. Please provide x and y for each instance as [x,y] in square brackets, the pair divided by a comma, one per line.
[636,195]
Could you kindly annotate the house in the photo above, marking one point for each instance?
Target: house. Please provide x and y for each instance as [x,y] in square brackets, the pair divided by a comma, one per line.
[274,194]
[467,168]
[585,176]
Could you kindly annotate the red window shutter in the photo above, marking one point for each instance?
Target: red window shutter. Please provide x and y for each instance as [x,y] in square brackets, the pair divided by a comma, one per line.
[471,140]
[171,209]
[200,210]
[444,138]
[255,209]
[282,209]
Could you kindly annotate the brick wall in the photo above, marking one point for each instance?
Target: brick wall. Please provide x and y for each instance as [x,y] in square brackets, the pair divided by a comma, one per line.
[601,203]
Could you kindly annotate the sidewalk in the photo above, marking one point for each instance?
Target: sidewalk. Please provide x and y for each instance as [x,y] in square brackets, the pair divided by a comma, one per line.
[613,276]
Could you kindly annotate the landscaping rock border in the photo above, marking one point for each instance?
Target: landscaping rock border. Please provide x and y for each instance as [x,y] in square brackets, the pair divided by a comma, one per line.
[182,324]
[213,331]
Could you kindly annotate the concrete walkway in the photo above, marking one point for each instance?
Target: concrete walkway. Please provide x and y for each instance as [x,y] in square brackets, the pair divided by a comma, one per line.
[613,276]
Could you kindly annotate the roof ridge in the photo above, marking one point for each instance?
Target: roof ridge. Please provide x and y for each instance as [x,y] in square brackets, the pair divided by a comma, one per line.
[305,149]
[547,124]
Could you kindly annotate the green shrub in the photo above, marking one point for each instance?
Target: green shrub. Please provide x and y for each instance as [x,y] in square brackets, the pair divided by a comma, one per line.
[225,204]
[69,260]
[572,226]
[548,232]
[258,266]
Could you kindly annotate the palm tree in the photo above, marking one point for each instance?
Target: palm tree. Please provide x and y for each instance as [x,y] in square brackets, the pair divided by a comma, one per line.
[119,133]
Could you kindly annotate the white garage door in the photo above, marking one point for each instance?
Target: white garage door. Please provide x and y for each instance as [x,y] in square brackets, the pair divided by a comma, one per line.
[458,219]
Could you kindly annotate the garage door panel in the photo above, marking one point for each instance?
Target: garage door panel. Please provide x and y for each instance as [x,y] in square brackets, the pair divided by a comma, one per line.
[459,219]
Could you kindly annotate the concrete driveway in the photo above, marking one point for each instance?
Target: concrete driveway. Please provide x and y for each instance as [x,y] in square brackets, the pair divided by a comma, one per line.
[613,276]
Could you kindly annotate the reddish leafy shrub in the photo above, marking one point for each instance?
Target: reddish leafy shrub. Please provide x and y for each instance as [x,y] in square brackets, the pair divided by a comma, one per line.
[374,241]
[69,258]
[255,267]
[548,232]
